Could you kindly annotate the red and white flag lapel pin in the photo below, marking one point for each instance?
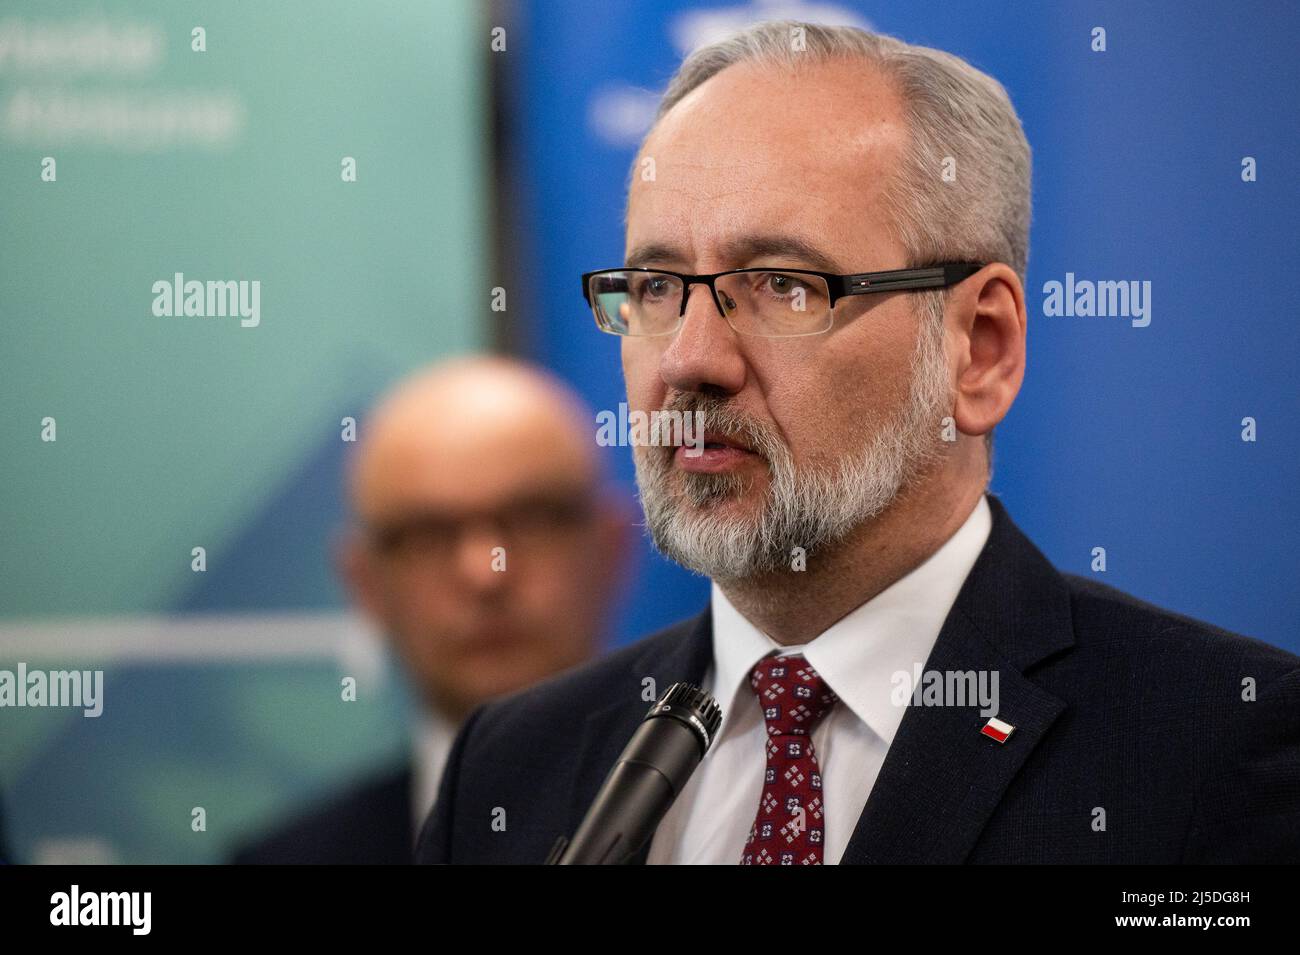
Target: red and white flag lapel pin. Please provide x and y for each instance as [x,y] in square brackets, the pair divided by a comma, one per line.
[998,730]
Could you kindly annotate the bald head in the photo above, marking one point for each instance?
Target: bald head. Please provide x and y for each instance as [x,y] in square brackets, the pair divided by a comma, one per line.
[467,433]
[487,549]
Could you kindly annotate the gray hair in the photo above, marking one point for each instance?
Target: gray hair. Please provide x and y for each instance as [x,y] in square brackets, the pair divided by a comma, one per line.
[953,110]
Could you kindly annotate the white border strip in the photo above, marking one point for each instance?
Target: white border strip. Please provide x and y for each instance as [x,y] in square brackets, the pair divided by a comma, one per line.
[197,638]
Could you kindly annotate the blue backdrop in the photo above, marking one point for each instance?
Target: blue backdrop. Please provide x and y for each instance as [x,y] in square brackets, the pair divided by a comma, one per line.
[1123,437]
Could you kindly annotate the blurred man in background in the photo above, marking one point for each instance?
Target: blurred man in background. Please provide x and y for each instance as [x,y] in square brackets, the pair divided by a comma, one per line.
[487,550]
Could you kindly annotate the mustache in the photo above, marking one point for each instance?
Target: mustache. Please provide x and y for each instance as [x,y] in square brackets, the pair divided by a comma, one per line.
[721,416]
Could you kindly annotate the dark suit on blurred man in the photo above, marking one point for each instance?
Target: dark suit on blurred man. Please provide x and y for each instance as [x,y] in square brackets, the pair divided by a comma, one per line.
[370,824]
[373,822]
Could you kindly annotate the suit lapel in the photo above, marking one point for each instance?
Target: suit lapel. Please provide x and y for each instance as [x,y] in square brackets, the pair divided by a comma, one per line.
[942,779]
[682,655]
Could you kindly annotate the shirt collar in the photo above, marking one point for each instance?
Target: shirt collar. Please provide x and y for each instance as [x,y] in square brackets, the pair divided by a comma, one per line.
[431,740]
[860,654]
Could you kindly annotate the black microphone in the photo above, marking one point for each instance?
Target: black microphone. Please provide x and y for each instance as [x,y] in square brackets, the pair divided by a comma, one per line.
[654,766]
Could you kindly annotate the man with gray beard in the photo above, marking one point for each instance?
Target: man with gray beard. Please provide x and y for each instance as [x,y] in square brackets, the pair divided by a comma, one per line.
[852,326]
[806,509]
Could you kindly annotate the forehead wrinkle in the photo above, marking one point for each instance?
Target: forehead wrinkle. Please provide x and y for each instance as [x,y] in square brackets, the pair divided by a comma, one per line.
[733,234]
[837,150]
[839,175]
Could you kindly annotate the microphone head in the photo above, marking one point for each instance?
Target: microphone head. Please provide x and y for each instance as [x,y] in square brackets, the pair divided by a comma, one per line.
[694,708]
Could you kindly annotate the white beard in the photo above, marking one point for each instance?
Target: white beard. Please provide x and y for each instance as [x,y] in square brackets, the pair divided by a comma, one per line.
[806,510]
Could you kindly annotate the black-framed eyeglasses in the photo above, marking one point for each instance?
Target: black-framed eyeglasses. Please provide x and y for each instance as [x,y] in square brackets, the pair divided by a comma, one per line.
[531,522]
[767,302]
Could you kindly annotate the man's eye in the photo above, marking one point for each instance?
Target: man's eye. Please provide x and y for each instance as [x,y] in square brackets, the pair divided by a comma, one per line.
[653,289]
[780,284]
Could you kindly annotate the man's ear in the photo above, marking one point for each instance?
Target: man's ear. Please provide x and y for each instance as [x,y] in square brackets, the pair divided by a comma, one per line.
[354,562]
[988,312]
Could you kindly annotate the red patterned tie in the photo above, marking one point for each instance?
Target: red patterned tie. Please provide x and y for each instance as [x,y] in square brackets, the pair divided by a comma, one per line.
[788,829]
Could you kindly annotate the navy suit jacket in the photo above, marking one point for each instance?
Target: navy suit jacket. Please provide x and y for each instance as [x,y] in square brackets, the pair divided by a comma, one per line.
[1132,741]
[368,825]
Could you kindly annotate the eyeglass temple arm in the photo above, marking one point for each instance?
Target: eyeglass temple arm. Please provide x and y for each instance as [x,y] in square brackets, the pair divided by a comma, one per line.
[939,276]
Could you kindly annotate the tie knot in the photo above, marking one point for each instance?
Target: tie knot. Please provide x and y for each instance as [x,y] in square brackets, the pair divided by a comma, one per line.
[793,695]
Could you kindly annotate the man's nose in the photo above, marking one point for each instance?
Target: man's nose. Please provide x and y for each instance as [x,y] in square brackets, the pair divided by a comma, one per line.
[705,351]
[479,565]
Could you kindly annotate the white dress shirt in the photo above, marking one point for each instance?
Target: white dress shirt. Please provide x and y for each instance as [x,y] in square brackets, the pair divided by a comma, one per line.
[858,657]
[431,739]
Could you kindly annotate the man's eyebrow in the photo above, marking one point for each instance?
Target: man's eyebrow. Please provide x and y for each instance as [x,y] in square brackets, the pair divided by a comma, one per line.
[656,252]
[743,250]
[750,247]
